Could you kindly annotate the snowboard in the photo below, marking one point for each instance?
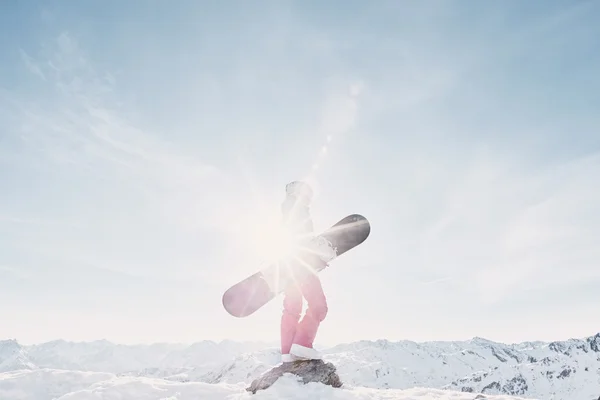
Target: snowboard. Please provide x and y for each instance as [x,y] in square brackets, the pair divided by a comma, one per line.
[250,294]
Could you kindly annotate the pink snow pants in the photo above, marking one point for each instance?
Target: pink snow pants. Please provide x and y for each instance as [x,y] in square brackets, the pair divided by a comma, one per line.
[292,329]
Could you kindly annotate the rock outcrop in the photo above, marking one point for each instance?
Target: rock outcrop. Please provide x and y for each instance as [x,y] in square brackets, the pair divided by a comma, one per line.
[307,370]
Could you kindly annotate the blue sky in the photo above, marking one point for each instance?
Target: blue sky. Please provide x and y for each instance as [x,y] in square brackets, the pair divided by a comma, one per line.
[144,148]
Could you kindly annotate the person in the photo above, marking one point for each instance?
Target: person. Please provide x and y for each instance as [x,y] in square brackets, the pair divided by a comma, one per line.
[297,336]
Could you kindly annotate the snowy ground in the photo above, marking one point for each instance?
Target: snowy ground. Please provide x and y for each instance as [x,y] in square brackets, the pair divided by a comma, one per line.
[49,384]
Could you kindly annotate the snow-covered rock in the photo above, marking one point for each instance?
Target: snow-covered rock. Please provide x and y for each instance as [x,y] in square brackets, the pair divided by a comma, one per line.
[306,371]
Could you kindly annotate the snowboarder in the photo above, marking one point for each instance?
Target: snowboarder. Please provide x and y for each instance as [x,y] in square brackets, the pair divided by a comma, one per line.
[297,336]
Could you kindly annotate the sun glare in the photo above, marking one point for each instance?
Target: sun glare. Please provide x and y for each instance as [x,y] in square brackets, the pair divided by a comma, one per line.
[275,243]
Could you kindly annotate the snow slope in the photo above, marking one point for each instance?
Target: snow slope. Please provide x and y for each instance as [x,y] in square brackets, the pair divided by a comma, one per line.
[60,385]
[46,384]
[568,370]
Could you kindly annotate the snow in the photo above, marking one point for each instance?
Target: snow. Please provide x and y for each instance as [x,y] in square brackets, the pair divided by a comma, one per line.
[104,356]
[560,371]
[568,370]
[48,385]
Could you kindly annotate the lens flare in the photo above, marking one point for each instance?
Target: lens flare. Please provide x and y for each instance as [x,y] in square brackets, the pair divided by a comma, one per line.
[276,243]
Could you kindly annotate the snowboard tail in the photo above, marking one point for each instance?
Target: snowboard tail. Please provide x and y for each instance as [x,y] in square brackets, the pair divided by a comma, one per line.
[250,294]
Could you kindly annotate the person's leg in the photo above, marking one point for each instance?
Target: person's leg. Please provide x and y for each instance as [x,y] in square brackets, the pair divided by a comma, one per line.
[292,307]
[316,312]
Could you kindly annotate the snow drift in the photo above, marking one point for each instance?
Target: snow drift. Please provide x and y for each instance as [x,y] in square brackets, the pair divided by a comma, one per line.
[48,385]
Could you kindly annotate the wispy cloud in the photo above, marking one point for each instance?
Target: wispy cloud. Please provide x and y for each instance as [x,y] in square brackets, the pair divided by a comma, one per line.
[78,130]
[84,126]
[31,65]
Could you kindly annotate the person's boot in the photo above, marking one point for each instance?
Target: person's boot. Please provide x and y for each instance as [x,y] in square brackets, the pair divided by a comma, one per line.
[304,353]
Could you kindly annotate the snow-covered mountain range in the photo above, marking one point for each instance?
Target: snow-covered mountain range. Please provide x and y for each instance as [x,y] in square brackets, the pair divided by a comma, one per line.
[561,370]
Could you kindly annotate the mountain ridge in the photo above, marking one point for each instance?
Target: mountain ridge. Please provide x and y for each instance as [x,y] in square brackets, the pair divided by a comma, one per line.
[558,370]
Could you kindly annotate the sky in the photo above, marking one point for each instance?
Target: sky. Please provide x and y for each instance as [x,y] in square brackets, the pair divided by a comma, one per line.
[145,147]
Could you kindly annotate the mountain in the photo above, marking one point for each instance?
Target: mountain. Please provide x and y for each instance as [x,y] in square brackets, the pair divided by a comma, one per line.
[560,370]
[567,370]
[105,356]
[13,357]
[98,356]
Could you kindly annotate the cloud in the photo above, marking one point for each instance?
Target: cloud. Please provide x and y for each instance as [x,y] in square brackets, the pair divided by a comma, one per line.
[82,124]
[31,65]
[101,173]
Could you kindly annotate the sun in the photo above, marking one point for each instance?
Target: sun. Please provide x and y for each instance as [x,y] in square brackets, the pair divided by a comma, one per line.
[274,243]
